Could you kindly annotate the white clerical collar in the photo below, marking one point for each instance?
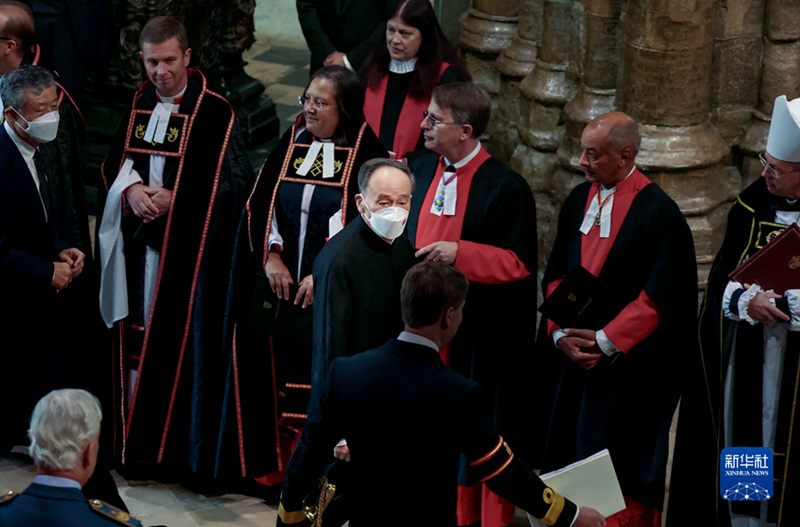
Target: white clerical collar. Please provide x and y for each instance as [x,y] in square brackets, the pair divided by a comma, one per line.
[171,100]
[56,481]
[406,66]
[599,212]
[466,159]
[413,338]
[24,148]
[446,198]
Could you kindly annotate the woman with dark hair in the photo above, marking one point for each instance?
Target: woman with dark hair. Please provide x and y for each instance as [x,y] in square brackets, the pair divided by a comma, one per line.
[401,75]
[303,196]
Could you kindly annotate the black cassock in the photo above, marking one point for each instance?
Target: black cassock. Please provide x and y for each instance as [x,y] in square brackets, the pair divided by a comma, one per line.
[625,405]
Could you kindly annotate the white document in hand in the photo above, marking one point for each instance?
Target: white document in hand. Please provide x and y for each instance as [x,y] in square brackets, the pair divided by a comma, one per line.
[590,482]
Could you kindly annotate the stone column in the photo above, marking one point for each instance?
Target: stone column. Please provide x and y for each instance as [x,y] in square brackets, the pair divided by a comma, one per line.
[516,61]
[553,81]
[736,65]
[666,87]
[597,92]
[487,28]
[780,75]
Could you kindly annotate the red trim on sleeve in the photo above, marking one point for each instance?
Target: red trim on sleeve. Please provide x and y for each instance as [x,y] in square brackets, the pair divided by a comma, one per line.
[486,457]
[488,264]
[634,323]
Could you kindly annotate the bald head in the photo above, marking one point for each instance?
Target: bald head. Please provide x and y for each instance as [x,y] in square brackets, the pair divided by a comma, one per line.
[609,146]
[17,32]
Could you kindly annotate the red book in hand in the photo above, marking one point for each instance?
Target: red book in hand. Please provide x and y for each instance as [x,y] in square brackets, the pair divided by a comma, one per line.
[776,266]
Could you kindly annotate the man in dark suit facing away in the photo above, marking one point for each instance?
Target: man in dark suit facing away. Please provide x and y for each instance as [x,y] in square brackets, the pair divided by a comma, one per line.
[406,418]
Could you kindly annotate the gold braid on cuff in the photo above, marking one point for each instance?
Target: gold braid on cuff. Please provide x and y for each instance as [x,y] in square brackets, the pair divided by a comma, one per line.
[290,517]
[556,502]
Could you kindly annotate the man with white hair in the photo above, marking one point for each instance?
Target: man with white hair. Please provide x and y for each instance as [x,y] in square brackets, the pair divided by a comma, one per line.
[64,434]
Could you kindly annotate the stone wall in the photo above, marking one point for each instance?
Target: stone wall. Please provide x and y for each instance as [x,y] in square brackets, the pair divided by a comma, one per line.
[700,77]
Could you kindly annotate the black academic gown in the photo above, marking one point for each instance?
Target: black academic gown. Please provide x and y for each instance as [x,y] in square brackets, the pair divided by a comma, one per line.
[385,400]
[625,405]
[751,223]
[357,279]
[500,212]
[248,442]
[175,411]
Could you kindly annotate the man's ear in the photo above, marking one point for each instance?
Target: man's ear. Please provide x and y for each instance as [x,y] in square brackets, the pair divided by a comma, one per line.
[362,208]
[446,320]
[466,132]
[86,454]
[187,56]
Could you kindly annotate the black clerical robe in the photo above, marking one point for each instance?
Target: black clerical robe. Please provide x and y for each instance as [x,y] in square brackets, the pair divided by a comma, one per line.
[357,279]
[751,224]
[500,212]
[255,401]
[173,415]
[625,405]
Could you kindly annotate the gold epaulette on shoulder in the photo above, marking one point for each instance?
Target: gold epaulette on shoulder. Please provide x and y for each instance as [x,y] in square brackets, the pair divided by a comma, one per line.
[118,515]
[8,497]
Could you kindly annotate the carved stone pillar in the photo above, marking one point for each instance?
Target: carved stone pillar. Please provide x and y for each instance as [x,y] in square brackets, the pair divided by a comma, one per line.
[666,87]
[780,75]
[487,29]
[596,94]
[553,81]
[736,65]
[219,32]
[516,61]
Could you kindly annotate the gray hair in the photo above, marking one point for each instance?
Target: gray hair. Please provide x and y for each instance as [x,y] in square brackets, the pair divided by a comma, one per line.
[61,425]
[26,77]
[369,167]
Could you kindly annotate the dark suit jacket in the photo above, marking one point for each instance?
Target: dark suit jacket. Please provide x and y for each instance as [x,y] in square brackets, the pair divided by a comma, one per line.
[349,26]
[407,417]
[29,243]
[28,247]
[45,506]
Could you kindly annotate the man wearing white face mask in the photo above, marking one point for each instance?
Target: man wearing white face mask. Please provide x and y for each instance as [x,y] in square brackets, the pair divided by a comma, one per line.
[35,263]
[357,275]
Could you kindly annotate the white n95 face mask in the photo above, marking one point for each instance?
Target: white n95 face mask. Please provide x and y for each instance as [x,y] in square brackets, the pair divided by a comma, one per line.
[388,222]
[42,129]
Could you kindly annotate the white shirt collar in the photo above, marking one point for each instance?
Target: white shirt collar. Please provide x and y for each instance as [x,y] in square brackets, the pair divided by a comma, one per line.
[56,481]
[171,100]
[466,159]
[413,338]
[24,148]
[406,66]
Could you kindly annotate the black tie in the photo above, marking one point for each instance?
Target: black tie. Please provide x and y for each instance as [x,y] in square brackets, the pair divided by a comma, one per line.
[44,183]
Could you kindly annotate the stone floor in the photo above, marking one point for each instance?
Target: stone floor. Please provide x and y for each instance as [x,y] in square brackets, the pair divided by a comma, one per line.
[284,72]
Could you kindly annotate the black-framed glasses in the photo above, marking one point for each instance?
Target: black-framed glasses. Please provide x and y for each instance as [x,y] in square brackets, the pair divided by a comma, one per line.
[434,121]
[303,100]
[773,171]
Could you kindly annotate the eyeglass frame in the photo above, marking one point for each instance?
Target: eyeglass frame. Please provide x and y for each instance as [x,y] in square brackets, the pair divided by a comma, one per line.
[302,99]
[434,121]
[773,170]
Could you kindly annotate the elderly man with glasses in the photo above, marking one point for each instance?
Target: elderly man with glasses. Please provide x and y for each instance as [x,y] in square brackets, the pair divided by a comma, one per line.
[750,337]
[473,212]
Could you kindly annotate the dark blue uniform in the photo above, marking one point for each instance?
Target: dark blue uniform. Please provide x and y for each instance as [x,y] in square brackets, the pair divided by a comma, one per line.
[43,506]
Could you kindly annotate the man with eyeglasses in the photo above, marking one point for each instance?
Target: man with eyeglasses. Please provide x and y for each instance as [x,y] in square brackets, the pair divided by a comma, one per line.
[750,337]
[473,212]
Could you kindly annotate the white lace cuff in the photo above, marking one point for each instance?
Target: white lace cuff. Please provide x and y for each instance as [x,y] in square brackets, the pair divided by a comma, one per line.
[744,303]
[726,300]
[793,297]
[605,344]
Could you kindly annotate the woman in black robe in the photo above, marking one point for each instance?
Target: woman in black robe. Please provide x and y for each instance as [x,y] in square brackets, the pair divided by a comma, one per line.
[400,76]
[303,196]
